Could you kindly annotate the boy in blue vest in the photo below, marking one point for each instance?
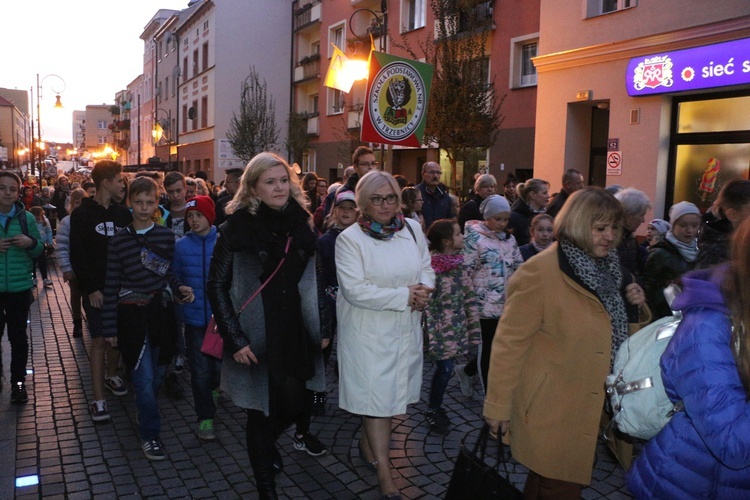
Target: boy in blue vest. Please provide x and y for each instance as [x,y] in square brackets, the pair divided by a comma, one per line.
[192,257]
[19,245]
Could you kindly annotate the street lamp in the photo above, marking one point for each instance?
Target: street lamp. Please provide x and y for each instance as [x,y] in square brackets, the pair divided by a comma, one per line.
[58,105]
[163,129]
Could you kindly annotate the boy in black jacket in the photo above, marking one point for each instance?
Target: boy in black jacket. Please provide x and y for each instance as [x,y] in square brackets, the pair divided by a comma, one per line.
[138,313]
[92,224]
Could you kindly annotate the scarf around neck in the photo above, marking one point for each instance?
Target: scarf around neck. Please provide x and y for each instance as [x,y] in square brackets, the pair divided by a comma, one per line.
[688,251]
[381,231]
[604,277]
[443,263]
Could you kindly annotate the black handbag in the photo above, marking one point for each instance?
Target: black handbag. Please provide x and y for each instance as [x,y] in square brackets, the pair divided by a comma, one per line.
[473,479]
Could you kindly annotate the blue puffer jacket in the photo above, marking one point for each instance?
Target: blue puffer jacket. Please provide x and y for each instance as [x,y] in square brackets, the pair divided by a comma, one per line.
[704,451]
[192,257]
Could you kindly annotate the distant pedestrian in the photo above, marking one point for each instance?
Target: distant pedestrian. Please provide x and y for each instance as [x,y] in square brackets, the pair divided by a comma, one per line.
[451,316]
[45,232]
[484,186]
[542,236]
[436,202]
[20,243]
[572,181]
[137,315]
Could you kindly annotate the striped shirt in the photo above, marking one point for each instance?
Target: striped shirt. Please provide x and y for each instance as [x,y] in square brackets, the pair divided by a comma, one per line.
[126,273]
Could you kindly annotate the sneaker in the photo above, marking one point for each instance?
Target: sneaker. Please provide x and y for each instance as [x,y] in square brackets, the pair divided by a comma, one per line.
[206,430]
[465,381]
[319,403]
[48,283]
[153,449]
[116,386]
[179,364]
[98,411]
[310,444]
[438,420]
[18,394]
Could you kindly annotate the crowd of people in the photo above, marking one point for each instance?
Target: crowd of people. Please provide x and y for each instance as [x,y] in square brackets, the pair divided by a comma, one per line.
[521,294]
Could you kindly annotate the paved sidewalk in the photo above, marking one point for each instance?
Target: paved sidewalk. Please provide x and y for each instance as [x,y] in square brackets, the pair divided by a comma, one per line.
[54,438]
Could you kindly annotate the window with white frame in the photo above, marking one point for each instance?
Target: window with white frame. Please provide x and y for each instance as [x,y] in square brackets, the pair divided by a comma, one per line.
[336,37]
[522,69]
[101,125]
[335,102]
[598,7]
[412,14]
[102,140]
[312,104]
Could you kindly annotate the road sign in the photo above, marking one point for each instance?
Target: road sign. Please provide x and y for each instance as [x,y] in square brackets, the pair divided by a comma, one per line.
[614,163]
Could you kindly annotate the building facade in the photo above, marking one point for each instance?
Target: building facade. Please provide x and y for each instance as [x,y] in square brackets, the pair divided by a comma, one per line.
[14,135]
[617,102]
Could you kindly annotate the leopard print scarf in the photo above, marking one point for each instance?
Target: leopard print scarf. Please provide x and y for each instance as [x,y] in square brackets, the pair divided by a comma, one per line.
[604,277]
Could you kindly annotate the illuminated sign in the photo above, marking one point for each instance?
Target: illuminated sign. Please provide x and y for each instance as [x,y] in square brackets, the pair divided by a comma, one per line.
[706,67]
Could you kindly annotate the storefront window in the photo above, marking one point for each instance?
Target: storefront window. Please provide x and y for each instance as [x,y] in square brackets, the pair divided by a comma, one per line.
[710,146]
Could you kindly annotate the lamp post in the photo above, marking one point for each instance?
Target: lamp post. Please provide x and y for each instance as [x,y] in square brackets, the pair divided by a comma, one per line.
[163,130]
[57,105]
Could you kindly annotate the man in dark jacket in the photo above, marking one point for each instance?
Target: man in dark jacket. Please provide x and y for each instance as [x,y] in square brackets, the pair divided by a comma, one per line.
[572,181]
[231,184]
[92,224]
[436,201]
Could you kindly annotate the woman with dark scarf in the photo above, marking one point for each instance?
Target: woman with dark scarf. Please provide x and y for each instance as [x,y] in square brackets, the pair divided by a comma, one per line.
[563,322]
[385,280]
[272,342]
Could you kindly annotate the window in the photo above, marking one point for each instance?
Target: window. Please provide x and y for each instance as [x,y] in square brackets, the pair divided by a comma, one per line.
[205,24]
[205,56]
[195,62]
[412,14]
[335,102]
[204,111]
[184,118]
[599,7]
[194,107]
[312,104]
[101,125]
[102,140]
[166,86]
[315,48]
[522,69]
[185,74]
[336,37]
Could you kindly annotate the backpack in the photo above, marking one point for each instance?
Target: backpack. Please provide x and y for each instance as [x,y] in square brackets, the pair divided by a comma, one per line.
[635,388]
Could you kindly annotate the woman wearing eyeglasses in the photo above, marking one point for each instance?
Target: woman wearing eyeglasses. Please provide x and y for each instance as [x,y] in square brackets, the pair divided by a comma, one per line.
[385,279]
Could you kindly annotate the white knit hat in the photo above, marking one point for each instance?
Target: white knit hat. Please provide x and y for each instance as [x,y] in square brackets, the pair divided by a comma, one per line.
[493,205]
[682,208]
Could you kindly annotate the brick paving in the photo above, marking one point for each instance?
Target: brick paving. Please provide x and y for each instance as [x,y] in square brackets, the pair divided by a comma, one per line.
[52,436]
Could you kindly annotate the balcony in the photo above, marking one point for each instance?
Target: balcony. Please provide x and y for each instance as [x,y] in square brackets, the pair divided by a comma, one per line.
[313,123]
[308,68]
[307,14]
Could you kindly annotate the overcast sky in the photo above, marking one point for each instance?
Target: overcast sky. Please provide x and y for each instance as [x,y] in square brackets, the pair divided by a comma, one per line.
[93,45]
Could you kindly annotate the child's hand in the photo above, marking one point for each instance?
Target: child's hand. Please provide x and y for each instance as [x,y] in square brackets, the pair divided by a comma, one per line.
[187,294]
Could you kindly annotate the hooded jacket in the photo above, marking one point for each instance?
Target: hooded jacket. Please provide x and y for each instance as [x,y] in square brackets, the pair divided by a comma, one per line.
[16,264]
[703,451]
[192,258]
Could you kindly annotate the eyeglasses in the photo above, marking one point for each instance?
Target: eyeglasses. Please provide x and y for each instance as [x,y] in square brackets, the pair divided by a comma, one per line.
[391,199]
[434,172]
[368,163]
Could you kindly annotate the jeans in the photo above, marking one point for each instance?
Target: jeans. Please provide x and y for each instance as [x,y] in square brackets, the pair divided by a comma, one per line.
[147,377]
[14,311]
[440,379]
[205,372]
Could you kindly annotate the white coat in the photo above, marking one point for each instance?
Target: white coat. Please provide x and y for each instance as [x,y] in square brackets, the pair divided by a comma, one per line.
[380,339]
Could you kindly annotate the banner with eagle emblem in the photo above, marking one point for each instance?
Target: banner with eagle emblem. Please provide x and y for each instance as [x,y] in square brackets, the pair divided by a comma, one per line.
[398,91]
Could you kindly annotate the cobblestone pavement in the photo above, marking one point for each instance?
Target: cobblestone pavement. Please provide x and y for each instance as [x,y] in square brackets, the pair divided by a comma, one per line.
[54,438]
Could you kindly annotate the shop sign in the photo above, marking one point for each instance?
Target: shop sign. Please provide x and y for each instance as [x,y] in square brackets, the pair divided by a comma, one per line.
[706,67]
[398,92]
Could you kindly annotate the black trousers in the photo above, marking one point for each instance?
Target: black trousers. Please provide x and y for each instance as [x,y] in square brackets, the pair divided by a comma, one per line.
[14,311]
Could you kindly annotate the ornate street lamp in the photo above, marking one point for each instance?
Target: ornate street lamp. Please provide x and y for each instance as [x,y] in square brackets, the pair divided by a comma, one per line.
[58,105]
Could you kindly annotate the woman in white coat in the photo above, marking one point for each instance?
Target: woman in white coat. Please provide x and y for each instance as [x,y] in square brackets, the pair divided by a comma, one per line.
[385,280]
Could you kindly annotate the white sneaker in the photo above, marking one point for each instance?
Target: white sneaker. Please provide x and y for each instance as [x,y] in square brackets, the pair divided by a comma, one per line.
[465,381]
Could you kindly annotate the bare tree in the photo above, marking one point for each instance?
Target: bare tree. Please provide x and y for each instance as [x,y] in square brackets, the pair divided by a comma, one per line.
[254,129]
[465,110]
[297,141]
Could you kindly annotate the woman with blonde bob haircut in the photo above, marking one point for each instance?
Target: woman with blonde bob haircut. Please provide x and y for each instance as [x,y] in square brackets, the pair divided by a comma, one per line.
[264,292]
[563,321]
[385,279]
